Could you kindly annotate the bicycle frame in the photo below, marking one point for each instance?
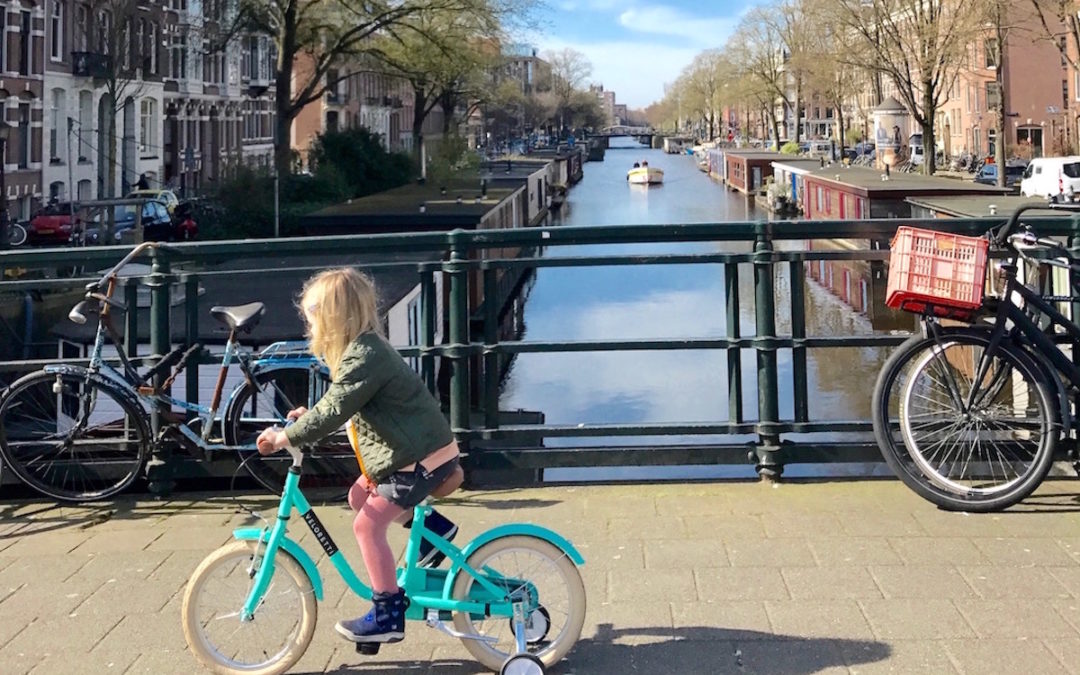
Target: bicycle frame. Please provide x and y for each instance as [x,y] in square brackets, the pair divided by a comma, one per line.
[429,590]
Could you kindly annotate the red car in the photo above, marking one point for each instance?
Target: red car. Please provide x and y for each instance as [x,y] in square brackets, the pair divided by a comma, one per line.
[51,225]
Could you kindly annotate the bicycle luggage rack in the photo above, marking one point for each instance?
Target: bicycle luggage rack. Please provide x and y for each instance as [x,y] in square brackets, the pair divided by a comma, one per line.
[291,349]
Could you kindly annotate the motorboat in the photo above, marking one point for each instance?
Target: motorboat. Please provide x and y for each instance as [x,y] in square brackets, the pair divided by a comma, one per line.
[645,175]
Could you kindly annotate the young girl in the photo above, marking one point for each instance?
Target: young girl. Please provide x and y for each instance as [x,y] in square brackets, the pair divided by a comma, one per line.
[402,440]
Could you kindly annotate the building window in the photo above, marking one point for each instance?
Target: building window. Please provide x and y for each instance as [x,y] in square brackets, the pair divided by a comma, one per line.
[25,137]
[991,51]
[148,127]
[56,31]
[992,98]
[25,39]
[178,57]
[151,48]
[57,120]
[82,28]
[991,141]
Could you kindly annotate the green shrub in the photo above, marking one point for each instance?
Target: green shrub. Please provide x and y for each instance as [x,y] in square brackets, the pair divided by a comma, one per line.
[790,148]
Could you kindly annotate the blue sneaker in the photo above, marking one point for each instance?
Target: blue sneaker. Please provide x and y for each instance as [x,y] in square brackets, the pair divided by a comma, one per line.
[442,526]
[384,623]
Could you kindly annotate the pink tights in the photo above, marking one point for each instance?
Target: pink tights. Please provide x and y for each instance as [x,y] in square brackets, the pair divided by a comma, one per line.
[373,517]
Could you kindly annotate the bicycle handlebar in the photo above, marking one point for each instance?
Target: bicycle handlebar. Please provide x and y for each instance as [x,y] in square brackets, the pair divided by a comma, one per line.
[1001,234]
[101,283]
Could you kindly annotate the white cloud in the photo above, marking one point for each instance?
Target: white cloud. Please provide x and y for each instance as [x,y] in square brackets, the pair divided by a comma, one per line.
[702,31]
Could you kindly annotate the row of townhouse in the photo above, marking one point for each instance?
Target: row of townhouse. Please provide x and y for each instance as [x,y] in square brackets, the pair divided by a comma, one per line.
[184,114]
[1041,90]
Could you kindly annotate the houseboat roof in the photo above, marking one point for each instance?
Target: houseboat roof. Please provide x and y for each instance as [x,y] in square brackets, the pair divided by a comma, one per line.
[867,180]
[799,165]
[398,210]
[978,206]
[276,282]
[752,153]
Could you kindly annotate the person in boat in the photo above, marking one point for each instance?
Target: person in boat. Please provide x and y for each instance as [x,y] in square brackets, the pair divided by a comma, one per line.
[644,163]
[637,165]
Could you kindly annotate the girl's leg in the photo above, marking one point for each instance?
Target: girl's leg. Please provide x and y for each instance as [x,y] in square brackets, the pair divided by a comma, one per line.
[357,496]
[370,526]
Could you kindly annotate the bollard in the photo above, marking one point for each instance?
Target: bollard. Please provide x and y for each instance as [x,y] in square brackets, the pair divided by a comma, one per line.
[159,467]
[458,272]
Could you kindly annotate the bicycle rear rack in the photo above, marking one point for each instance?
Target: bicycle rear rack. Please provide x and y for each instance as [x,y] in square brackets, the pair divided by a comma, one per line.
[290,349]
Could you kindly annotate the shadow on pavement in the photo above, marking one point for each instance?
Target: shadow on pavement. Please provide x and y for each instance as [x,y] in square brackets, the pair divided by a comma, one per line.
[697,650]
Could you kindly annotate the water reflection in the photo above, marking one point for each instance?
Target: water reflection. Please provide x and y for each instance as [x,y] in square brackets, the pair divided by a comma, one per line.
[667,301]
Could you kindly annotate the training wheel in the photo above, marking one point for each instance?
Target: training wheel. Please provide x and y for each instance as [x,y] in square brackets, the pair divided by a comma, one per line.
[536,626]
[523,664]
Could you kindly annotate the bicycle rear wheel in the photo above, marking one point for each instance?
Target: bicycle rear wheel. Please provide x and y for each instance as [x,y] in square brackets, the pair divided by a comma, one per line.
[966,428]
[269,643]
[329,469]
[546,573]
[72,436]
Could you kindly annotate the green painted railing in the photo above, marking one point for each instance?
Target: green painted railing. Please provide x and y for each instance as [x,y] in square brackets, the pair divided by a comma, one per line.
[479,261]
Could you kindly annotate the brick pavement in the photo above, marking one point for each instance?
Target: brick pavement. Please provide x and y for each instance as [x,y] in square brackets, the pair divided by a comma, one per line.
[846,577]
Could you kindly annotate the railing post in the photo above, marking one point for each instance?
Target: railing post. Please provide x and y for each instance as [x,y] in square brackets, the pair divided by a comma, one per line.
[131,316]
[491,357]
[427,326]
[159,468]
[191,336]
[797,273]
[1074,285]
[766,453]
[458,272]
[734,354]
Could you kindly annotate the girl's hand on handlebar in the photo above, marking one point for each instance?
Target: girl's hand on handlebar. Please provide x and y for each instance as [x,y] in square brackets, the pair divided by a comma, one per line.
[295,413]
[271,440]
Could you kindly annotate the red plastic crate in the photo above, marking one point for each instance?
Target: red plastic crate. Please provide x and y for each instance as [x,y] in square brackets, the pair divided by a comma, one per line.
[945,272]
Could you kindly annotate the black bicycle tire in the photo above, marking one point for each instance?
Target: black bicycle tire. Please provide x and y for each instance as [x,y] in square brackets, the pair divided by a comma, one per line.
[16,239]
[895,456]
[131,408]
[270,472]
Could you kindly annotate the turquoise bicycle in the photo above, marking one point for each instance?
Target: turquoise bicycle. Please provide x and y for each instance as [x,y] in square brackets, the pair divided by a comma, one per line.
[514,594]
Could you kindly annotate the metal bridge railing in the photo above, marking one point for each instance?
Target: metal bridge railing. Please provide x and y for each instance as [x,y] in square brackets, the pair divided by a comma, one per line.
[475,265]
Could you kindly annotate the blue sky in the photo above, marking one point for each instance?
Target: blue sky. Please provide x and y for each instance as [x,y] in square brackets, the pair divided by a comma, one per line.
[635,46]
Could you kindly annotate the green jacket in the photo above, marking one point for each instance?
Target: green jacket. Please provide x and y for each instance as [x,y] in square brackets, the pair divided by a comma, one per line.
[398,421]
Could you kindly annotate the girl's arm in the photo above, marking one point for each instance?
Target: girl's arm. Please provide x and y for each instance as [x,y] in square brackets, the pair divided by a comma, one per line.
[359,380]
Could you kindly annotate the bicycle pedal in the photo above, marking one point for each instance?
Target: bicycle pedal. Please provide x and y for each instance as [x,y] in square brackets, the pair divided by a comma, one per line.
[367,648]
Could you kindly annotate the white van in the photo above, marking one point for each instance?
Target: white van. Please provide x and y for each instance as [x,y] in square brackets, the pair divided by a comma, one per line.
[916,148]
[1052,177]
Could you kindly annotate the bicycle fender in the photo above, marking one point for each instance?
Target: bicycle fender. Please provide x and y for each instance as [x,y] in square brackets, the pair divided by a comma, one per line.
[112,385]
[292,548]
[528,530]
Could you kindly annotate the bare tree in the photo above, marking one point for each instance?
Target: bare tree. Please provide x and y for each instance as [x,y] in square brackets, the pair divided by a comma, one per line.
[570,69]
[919,45]
[757,47]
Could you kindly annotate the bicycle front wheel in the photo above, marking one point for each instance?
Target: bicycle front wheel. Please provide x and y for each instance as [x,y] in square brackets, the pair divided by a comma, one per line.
[329,469]
[538,569]
[967,427]
[72,436]
[17,234]
[269,643]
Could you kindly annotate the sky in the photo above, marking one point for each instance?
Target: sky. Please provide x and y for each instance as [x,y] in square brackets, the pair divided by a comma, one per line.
[635,46]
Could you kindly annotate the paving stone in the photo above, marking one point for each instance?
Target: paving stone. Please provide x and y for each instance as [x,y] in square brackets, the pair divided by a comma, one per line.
[740,583]
[788,657]
[67,662]
[937,551]
[828,583]
[56,636]
[721,620]
[1066,650]
[667,553]
[191,538]
[907,657]
[673,505]
[633,625]
[120,597]
[46,544]
[726,527]
[881,525]
[159,630]
[607,555]
[975,657]
[164,662]
[653,585]
[1014,618]
[799,619]
[922,581]
[1014,582]
[853,551]
[799,524]
[769,552]
[119,541]
[1023,551]
[915,619]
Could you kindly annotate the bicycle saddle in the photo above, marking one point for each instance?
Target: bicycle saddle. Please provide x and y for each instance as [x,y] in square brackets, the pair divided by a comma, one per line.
[239,317]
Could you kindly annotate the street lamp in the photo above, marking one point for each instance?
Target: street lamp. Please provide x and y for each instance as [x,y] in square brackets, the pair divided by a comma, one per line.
[5,135]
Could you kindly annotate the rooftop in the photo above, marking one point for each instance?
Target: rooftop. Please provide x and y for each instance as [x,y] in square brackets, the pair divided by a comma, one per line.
[871,180]
[752,153]
[977,206]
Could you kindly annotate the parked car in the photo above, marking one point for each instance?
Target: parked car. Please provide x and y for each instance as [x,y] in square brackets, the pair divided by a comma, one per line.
[988,174]
[166,197]
[51,225]
[1052,177]
[156,221]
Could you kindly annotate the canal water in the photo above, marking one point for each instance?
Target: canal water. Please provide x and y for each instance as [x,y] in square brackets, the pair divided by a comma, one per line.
[667,301]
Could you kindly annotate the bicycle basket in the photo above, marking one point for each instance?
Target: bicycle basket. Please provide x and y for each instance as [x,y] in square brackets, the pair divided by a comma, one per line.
[935,272]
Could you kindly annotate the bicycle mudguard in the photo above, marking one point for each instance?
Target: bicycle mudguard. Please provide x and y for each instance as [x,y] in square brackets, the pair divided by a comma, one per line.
[292,548]
[121,389]
[524,529]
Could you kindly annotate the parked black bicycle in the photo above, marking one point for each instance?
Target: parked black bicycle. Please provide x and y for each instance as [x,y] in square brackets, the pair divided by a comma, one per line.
[969,416]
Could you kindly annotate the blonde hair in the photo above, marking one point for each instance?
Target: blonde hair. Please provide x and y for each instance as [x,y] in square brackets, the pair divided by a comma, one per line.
[338,305]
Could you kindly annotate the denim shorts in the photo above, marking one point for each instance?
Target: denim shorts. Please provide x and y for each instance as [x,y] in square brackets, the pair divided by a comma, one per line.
[408,488]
